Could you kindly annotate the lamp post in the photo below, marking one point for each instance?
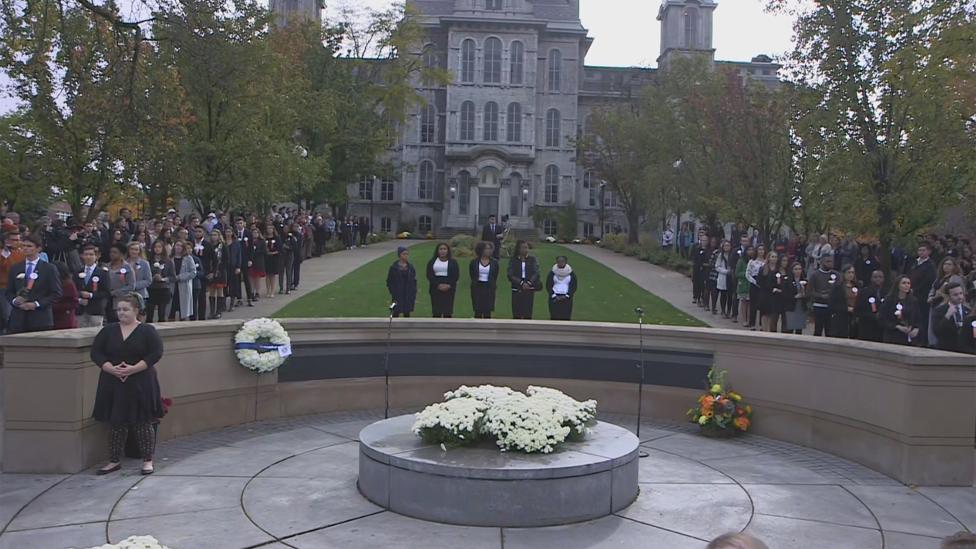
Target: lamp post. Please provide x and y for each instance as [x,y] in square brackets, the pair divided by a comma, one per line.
[525,197]
[603,190]
[372,199]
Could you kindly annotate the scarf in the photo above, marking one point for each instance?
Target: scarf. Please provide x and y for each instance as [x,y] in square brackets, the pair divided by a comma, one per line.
[562,273]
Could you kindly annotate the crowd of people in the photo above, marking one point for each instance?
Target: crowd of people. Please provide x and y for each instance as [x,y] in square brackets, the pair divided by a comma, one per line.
[65,273]
[925,299]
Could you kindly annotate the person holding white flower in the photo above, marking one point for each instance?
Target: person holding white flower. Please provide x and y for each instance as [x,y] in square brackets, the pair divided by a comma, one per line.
[161,289]
[900,314]
[561,286]
[186,270]
[94,289]
[140,270]
[128,396]
[122,276]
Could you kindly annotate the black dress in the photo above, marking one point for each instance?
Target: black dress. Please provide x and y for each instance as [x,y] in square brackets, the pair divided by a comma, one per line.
[523,300]
[442,303]
[891,319]
[137,400]
[271,259]
[867,313]
[402,284]
[483,293]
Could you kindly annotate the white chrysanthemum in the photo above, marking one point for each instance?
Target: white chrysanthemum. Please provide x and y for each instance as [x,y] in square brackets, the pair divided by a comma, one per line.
[529,425]
[484,393]
[572,413]
[251,332]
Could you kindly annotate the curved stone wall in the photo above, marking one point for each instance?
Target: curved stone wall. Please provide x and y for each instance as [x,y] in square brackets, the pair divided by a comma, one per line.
[909,413]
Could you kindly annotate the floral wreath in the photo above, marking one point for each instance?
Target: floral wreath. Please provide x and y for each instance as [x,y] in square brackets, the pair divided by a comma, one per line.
[262,345]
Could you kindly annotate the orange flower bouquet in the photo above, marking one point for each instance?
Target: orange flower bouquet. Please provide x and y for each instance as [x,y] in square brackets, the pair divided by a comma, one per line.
[721,411]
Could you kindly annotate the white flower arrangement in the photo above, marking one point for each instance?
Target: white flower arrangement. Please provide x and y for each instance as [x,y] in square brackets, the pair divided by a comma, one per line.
[538,422]
[262,345]
[134,542]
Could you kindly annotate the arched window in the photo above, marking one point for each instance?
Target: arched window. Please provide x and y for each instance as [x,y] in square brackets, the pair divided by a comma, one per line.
[691,28]
[428,124]
[493,61]
[425,180]
[513,123]
[467,121]
[430,64]
[555,69]
[517,66]
[491,121]
[552,128]
[467,61]
[493,4]
[552,184]
[425,224]
[590,187]
[550,226]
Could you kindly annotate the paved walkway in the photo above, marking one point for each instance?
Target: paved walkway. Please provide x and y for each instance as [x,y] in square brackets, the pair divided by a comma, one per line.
[671,286]
[292,483]
[318,272]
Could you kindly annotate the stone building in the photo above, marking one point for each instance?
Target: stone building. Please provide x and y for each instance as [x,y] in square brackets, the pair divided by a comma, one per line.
[499,138]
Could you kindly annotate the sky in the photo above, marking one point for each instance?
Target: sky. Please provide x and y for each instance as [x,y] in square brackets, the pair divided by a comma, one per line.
[627,33]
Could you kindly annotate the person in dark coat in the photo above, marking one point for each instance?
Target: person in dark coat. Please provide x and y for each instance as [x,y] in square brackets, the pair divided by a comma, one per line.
[950,320]
[843,298]
[900,314]
[94,289]
[401,281]
[700,255]
[128,396]
[216,269]
[32,288]
[561,284]
[923,275]
[443,273]
[363,231]
[483,271]
[493,233]
[523,274]
[868,308]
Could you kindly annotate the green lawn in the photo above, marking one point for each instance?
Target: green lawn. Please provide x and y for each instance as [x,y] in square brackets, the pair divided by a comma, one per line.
[603,295]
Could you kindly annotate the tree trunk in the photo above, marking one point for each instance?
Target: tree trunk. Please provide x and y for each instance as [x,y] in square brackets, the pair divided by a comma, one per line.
[633,226]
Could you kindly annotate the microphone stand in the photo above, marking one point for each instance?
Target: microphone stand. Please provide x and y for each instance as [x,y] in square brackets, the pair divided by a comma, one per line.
[640,384]
[386,365]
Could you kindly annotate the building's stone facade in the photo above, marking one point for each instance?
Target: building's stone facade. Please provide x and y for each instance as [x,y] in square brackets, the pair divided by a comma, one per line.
[500,136]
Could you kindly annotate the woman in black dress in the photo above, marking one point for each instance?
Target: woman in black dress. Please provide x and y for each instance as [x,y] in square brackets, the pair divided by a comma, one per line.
[484,276]
[442,274]
[257,262]
[523,273]
[271,268]
[161,288]
[843,298]
[401,281]
[128,396]
[868,307]
[899,313]
[217,266]
[561,287]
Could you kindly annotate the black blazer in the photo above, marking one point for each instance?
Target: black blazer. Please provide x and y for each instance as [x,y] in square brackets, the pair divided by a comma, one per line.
[99,284]
[453,274]
[531,273]
[493,270]
[950,335]
[45,291]
[551,283]
[889,320]
[495,237]
[402,292]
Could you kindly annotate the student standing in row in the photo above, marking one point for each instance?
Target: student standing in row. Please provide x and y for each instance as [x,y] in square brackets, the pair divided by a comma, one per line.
[401,281]
[843,298]
[483,271]
[949,320]
[796,300]
[217,268]
[443,273]
[868,308]
[821,284]
[523,273]
[561,284]
[900,314]
[94,285]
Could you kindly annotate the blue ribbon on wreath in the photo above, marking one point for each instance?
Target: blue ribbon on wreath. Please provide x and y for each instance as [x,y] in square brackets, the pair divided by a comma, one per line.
[260,347]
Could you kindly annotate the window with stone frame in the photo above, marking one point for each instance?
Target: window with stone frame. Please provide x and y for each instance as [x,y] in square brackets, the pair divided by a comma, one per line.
[551,194]
[386,191]
[517,63]
[491,121]
[555,70]
[467,121]
[493,61]
[425,180]
[366,189]
[513,123]
[550,227]
[467,61]
[428,124]
[386,224]
[493,5]
[553,122]
[425,224]
[591,188]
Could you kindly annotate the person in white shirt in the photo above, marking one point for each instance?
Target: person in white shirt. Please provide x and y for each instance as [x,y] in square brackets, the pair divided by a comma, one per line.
[561,284]
[667,239]
[442,275]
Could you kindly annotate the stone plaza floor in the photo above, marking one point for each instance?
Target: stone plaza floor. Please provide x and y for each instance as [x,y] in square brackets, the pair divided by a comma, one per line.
[292,483]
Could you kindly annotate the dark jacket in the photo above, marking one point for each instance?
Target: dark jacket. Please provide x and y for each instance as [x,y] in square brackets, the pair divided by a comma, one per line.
[495,237]
[100,284]
[493,271]
[45,291]
[869,314]
[949,332]
[923,276]
[402,287]
[453,274]
[910,317]
[531,273]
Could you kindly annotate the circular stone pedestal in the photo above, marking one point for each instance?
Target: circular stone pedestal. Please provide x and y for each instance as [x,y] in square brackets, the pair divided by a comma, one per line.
[481,486]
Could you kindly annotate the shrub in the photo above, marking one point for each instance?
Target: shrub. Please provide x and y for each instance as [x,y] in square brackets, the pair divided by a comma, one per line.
[632,250]
[615,242]
[462,245]
[375,238]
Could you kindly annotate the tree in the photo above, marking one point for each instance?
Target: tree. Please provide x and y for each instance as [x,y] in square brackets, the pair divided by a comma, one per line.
[21,177]
[889,78]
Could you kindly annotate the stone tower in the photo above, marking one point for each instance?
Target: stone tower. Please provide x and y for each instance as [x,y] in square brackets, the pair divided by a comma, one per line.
[287,10]
[686,29]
